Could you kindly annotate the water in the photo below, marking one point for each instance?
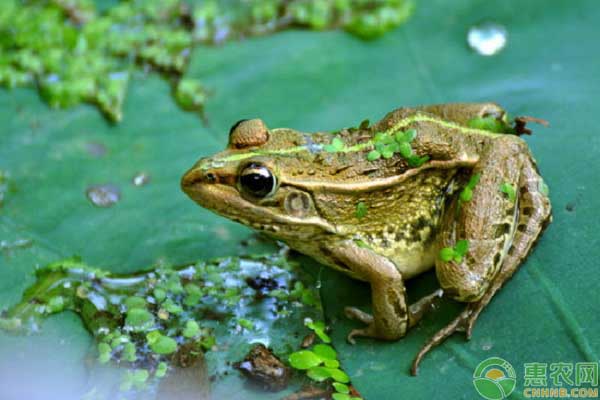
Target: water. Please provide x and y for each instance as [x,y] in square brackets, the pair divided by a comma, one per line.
[141,178]
[232,303]
[488,38]
[105,195]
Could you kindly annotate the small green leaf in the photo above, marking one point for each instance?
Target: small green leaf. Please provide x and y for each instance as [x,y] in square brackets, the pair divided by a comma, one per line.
[335,146]
[245,323]
[161,344]
[466,194]
[405,150]
[340,396]
[304,359]
[129,352]
[104,358]
[410,135]
[416,161]
[56,304]
[379,137]
[387,153]
[319,374]
[319,329]
[161,369]
[339,375]
[191,329]
[208,342]
[139,319]
[446,254]
[474,180]
[490,124]
[400,137]
[135,302]
[172,307]
[104,348]
[325,351]
[461,247]
[373,155]
[361,210]
[341,388]
[509,190]
[159,294]
[332,363]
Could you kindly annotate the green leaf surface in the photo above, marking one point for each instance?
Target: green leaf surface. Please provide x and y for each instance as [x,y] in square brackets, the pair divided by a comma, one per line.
[316,81]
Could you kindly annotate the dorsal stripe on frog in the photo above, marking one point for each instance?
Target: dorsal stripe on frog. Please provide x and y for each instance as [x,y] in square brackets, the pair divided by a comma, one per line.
[403,123]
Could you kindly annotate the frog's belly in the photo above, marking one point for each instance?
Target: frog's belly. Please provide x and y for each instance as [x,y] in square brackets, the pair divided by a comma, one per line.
[412,262]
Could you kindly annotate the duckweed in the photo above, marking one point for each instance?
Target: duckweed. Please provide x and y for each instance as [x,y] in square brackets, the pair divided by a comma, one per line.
[467,193]
[387,144]
[74,53]
[361,210]
[335,146]
[509,190]
[455,253]
[320,363]
[319,329]
[491,124]
[161,344]
[161,369]
[143,321]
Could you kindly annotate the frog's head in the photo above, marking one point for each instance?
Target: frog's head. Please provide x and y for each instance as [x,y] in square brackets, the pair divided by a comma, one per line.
[254,181]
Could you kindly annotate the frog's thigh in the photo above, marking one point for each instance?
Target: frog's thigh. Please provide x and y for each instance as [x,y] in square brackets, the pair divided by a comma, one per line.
[486,221]
[390,311]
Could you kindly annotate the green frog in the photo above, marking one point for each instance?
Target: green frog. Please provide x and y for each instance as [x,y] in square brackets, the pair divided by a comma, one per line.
[451,187]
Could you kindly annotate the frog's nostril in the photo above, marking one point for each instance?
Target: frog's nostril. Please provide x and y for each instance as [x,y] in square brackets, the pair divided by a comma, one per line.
[209,177]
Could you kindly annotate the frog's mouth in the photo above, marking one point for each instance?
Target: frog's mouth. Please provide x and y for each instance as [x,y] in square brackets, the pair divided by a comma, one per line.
[224,199]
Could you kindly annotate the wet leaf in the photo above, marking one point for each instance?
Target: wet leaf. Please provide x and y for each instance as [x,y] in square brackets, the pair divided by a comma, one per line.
[548,69]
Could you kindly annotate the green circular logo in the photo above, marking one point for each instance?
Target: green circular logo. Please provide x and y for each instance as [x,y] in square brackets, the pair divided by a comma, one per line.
[494,378]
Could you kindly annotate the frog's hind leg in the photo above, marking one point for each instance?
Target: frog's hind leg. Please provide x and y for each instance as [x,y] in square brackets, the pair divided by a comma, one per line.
[498,244]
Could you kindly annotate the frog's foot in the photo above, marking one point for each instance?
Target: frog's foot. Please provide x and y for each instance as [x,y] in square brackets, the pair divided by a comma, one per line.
[418,309]
[366,318]
[463,322]
[369,331]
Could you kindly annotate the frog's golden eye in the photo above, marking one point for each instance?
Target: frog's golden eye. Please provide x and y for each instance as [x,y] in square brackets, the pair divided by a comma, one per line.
[257,181]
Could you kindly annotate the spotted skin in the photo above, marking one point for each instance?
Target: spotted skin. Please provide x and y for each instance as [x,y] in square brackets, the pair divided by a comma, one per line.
[412,212]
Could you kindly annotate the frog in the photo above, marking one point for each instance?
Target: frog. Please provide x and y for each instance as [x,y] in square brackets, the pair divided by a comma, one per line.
[426,187]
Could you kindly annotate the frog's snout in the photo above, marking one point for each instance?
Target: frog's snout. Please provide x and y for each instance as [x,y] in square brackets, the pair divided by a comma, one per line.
[196,177]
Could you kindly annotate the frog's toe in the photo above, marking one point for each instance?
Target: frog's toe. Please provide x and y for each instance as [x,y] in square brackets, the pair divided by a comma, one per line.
[358,315]
[368,331]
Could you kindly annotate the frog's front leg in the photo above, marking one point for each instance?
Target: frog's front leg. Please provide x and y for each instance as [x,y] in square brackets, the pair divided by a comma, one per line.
[391,315]
[500,229]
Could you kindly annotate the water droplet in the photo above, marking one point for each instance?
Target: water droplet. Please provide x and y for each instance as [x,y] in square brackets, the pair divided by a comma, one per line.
[103,195]
[487,38]
[141,178]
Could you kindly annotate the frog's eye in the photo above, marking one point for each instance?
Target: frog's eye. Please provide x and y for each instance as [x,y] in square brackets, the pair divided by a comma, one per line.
[257,181]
